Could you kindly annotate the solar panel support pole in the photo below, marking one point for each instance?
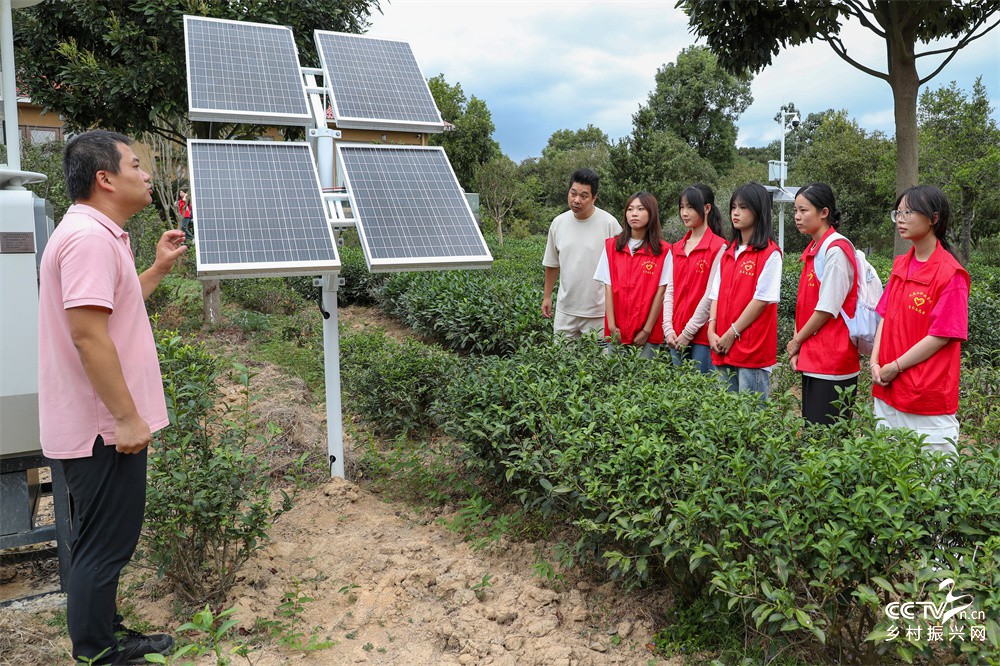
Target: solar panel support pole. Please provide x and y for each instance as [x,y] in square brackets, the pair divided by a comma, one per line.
[331,354]
[323,145]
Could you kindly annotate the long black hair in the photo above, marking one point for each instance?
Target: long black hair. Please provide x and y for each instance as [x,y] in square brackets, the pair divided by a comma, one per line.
[755,197]
[698,196]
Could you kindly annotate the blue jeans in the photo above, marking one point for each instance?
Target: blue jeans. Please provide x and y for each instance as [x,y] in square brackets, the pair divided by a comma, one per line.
[700,354]
[739,380]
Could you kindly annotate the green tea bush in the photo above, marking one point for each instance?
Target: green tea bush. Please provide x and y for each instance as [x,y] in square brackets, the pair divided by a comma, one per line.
[209,505]
[391,384]
[267,295]
[361,287]
[469,311]
[807,532]
[983,345]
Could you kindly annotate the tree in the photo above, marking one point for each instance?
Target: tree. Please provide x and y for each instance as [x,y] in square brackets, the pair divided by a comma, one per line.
[960,142]
[588,138]
[500,188]
[699,101]
[858,166]
[566,151]
[654,161]
[469,143]
[746,35]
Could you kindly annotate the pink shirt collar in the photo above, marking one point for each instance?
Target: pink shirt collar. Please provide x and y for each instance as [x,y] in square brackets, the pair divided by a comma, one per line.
[90,211]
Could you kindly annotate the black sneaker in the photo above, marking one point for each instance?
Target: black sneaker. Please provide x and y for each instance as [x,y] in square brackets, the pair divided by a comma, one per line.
[133,646]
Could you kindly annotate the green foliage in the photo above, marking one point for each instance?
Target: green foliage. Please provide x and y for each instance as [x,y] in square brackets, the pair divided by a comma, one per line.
[501,190]
[268,295]
[288,631]
[960,152]
[747,35]
[654,160]
[470,143]
[494,311]
[46,158]
[699,101]
[677,482]
[565,152]
[177,301]
[209,506]
[859,166]
[212,631]
[983,345]
[361,286]
[393,384]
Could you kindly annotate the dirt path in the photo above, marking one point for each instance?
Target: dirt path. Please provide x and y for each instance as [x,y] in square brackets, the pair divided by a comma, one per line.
[390,585]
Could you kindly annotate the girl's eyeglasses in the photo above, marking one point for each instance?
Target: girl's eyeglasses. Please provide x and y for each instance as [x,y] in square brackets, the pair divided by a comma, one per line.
[898,215]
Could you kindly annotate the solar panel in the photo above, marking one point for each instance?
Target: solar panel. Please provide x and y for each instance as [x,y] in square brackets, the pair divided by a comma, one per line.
[243,73]
[410,211]
[258,209]
[376,84]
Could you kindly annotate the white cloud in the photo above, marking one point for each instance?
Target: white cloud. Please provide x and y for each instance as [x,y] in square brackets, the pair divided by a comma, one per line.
[547,65]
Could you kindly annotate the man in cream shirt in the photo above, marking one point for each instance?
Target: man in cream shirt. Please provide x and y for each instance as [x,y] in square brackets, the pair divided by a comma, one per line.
[576,240]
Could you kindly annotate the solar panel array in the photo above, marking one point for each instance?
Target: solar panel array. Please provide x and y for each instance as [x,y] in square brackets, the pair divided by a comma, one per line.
[243,73]
[410,211]
[259,209]
[376,84]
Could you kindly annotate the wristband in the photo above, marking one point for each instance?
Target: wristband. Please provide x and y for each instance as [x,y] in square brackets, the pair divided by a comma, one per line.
[735,332]
[899,368]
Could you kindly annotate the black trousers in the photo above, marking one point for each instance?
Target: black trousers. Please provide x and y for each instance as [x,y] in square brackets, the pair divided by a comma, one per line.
[108,501]
[818,396]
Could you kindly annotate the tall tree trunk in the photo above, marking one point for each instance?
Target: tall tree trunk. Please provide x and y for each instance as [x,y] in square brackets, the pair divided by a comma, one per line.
[905,83]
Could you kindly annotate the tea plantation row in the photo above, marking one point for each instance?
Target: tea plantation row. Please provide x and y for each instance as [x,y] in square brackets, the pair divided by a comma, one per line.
[805,533]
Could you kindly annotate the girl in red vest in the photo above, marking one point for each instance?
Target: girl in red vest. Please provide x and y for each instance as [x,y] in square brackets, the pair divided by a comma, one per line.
[821,348]
[632,271]
[695,260]
[743,318]
[925,309]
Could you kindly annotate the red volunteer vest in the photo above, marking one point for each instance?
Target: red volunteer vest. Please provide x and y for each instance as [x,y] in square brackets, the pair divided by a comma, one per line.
[691,273]
[634,281]
[930,387]
[757,346]
[830,351]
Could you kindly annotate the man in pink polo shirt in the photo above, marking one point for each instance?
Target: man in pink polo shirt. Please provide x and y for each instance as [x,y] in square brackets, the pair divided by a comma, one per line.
[100,392]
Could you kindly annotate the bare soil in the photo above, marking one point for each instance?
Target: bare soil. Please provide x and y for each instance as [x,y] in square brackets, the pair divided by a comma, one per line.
[390,584]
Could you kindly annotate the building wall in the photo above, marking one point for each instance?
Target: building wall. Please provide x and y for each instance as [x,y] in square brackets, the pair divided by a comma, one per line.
[36,126]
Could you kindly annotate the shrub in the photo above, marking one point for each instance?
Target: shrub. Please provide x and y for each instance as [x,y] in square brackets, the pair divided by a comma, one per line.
[808,532]
[361,287]
[267,295]
[209,498]
[393,384]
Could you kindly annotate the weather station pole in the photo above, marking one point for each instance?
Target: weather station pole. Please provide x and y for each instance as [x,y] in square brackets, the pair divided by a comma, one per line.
[783,172]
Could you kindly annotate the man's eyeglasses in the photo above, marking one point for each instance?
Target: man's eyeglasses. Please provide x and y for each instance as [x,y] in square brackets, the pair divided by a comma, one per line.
[898,215]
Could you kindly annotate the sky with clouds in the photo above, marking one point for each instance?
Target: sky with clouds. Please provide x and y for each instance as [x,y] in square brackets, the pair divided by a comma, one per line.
[545,65]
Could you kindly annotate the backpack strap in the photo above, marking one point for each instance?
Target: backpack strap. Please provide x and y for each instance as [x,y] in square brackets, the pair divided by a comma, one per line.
[820,260]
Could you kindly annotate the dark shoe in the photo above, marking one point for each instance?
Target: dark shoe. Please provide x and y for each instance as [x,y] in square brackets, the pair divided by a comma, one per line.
[134,646]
